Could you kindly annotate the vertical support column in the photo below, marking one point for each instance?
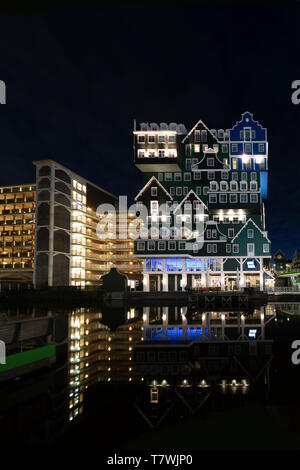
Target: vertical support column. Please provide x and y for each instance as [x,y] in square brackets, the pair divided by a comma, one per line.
[262,321]
[222,275]
[146,282]
[261,275]
[51,227]
[165,321]
[165,286]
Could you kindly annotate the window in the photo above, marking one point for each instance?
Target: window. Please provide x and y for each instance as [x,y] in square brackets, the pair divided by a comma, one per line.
[244,176]
[196,148]
[213,233]
[160,176]
[228,248]
[141,246]
[182,245]
[253,185]
[253,135]
[216,218]
[254,176]
[141,153]
[210,175]
[188,150]
[197,175]
[172,191]
[254,198]
[235,176]
[250,233]
[185,190]
[198,190]
[178,191]
[230,232]
[212,198]
[235,248]
[161,138]
[194,161]
[261,148]
[242,135]
[188,164]
[161,153]
[151,139]
[223,198]
[168,176]
[266,248]
[177,177]
[210,161]
[233,186]
[234,148]
[197,136]
[165,233]
[172,153]
[212,248]
[234,163]
[208,233]
[244,198]
[154,207]
[172,245]
[223,186]
[161,245]
[224,148]
[243,185]
[141,139]
[214,186]
[203,136]
[250,249]
[151,246]
[224,175]
[247,134]
[172,138]
[205,190]
[154,191]
[187,176]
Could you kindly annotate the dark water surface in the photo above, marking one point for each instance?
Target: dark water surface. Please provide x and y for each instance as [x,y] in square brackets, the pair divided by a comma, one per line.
[154,377]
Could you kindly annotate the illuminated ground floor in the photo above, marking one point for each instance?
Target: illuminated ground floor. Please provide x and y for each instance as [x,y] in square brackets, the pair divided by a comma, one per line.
[174,274]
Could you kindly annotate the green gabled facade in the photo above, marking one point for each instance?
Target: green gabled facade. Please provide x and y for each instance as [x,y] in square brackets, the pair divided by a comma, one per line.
[206,220]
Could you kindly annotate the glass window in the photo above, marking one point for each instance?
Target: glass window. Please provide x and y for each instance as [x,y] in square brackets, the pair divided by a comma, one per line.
[235,248]
[178,191]
[210,161]
[234,163]
[223,198]
[161,245]
[210,175]
[243,198]
[250,233]
[254,198]
[266,248]
[151,246]
[141,138]
[187,176]
[172,138]
[161,138]
[168,176]
[151,139]
[197,136]
[178,177]
[154,191]
[197,175]
[213,198]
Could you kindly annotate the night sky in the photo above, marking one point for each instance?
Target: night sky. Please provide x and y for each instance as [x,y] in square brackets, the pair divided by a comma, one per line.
[77,77]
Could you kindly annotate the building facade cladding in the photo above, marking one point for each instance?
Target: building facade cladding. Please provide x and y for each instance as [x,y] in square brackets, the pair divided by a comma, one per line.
[220,178]
[67,248]
[17,221]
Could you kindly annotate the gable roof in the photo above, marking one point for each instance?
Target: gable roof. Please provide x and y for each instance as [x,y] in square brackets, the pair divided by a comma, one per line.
[197,197]
[244,226]
[192,130]
[149,183]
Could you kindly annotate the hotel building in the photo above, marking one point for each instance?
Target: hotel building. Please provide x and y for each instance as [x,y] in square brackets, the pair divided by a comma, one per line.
[17,222]
[216,180]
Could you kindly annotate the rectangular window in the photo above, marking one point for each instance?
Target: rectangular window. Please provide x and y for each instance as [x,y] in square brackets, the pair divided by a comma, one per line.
[254,198]
[244,176]
[213,233]
[185,190]
[151,139]
[208,233]
[187,176]
[141,246]
[243,198]
[168,176]
[141,139]
[234,163]
[196,148]
[178,177]
[188,150]
[188,164]
[160,176]
[224,175]
[209,248]
[253,186]
[261,148]
[161,246]
[266,248]
[224,148]
[247,134]
[230,232]
[198,190]
[210,161]
[233,198]
[203,136]
[181,245]
[213,198]
[235,176]
[250,233]
[178,191]
[205,190]
[253,135]
[242,135]
[141,153]
[250,249]
[161,138]
[172,191]
[154,191]
[151,246]
[172,246]
[228,248]
[214,248]
[254,175]
[172,138]
[197,136]
[234,148]
[235,219]
[235,248]
[210,175]
[161,153]
[197,175]
[194,161]
[223,198]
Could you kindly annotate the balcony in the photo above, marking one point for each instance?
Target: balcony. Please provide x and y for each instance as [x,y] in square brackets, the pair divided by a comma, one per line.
[155,164]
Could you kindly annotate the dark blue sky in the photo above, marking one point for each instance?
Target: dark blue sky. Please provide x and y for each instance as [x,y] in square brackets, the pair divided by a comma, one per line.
[77,77]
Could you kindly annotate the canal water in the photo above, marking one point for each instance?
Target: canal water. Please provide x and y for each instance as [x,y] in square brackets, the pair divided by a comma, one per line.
[151,376]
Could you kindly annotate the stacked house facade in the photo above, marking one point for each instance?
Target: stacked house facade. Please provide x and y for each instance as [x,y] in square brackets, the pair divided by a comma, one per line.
[204,193]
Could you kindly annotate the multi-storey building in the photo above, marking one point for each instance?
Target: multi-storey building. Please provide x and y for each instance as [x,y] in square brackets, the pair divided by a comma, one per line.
[68,250]
[17,221]
[203,191]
